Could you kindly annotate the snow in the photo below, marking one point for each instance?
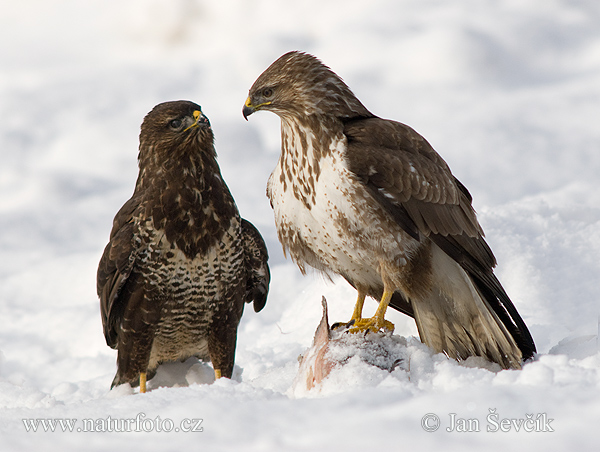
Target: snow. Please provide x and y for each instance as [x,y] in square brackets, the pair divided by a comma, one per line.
[507,91]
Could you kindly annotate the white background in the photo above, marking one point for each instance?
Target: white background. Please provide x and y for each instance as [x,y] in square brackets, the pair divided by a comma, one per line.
[507,91]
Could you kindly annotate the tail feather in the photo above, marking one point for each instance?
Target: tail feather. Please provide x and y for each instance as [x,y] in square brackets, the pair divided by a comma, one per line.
[475,257]
[455,319]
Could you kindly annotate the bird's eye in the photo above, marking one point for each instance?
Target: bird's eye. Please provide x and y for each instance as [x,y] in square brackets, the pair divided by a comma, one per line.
[175,124]
[267,92]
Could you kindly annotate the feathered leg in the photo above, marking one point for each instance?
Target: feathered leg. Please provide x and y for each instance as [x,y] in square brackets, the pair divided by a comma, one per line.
[222,336]
[136,336]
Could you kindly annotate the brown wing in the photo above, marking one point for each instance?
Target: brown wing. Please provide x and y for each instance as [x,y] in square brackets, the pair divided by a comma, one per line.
[405,170]
[415,186]
[115,270]
[257,268]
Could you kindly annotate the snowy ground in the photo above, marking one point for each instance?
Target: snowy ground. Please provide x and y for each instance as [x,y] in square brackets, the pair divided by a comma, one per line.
[507,91]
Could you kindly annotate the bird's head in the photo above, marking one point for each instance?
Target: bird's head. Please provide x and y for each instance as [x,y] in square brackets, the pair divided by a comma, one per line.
[300,84]
[176,126]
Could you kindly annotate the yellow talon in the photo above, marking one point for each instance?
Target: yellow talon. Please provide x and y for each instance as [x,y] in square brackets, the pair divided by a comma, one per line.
[375,323]
[217,374]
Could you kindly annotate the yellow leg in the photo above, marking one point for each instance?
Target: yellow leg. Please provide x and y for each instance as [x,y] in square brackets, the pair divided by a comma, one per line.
[217,374]
[378,321]
[142,382]
[357,315]
[383,305]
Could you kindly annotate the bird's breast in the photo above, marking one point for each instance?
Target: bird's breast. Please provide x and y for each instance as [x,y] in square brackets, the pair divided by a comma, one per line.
[184,281]
[339,230]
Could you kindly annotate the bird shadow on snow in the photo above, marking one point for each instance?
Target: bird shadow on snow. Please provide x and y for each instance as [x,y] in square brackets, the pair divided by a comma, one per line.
[179,375]
[577,347]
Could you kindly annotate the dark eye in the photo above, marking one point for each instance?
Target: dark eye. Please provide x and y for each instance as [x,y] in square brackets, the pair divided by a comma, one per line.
[267,92]
[175,124]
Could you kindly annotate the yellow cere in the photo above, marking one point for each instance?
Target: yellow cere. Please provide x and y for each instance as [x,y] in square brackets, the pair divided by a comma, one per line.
[249,104]
[196,114]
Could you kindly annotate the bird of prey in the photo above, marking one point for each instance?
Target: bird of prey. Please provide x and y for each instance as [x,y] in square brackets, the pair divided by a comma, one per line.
[180,262]
[370,199]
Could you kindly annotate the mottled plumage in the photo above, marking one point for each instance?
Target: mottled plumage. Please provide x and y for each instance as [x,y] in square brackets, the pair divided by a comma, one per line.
[180,262]
[371,200]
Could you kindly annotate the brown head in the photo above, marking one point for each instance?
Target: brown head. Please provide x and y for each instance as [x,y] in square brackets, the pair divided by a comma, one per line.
[300,84]
[172,130]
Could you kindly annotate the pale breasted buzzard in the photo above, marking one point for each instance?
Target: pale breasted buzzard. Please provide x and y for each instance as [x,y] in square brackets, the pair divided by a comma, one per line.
[371,200]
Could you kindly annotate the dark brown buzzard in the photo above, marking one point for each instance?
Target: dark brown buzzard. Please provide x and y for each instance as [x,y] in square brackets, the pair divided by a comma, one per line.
[371,200]
[180,262]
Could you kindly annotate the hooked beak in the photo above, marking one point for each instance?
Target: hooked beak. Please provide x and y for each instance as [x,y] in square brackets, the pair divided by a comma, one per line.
[199,119]
[248,109]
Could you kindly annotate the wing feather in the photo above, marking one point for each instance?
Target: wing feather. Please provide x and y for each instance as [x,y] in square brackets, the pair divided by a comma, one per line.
[410,180]
[394,159]
[257,268]
[115,269]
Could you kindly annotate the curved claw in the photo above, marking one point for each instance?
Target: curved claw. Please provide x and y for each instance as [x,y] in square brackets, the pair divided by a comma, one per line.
[373,324]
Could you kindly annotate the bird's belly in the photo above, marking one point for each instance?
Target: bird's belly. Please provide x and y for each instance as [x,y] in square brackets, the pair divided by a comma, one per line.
[192,291]
[344,228]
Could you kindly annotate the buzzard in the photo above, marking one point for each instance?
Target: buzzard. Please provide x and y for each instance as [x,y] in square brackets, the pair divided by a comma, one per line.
[180,262]
[370,199]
